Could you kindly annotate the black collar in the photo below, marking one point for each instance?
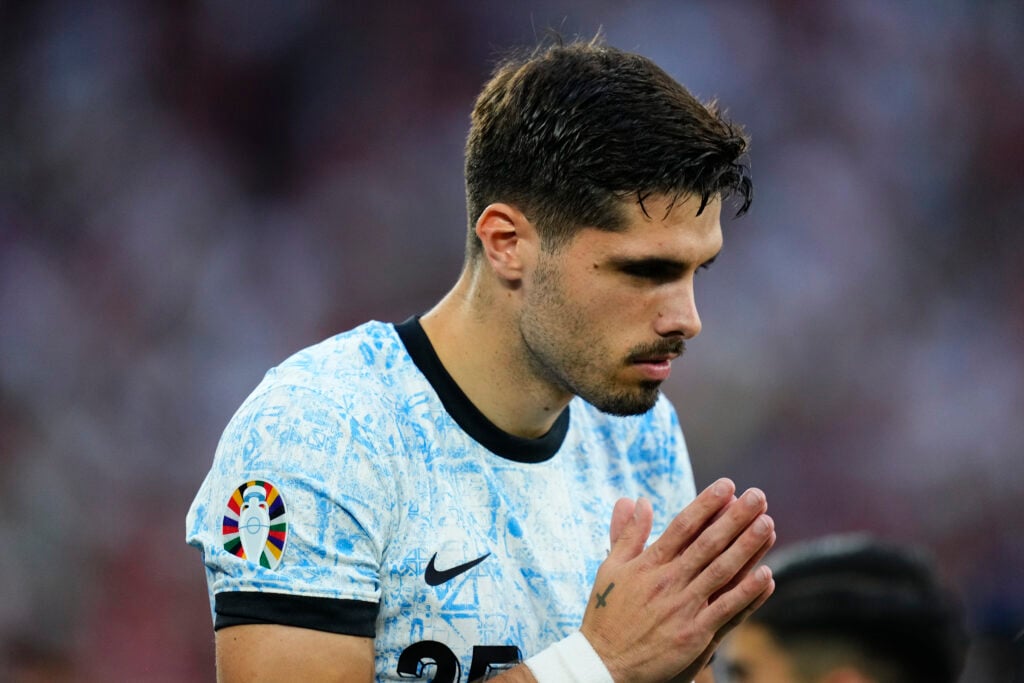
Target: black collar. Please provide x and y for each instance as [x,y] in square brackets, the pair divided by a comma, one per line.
[472,421]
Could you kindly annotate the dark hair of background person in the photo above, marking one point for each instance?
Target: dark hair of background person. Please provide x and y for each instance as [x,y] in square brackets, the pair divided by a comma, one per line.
[569,130]
[878,601]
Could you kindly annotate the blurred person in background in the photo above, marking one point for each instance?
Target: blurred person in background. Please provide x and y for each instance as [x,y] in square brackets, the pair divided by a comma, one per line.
[430,499]
[850,608]
[706,675]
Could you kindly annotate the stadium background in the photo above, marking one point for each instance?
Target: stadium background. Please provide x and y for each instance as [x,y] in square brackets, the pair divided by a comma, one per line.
[191,191]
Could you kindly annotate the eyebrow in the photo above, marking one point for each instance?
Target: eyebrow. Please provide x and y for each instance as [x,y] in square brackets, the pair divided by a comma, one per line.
[735,670]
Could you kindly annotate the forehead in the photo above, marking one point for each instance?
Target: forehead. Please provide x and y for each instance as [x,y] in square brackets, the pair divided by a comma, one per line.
[661,227]
[750,653]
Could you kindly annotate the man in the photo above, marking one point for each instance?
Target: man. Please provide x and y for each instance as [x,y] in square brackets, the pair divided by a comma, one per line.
[850,609]
[429,500]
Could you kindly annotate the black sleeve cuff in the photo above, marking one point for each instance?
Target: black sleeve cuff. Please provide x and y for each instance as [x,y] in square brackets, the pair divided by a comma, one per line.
[347,617]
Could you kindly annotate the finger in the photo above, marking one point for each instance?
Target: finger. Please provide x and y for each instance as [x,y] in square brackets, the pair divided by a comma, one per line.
[621,513]
[717,515]
[754,560]
[730,567]
[687,525]
[739,616]
[634,534]
[719,535]
[754,605]
[733,606]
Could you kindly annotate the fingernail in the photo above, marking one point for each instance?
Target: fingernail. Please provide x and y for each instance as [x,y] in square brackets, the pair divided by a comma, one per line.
[753,498]
[720,488]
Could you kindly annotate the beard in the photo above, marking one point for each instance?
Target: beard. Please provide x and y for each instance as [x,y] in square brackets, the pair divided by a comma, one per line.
[576,371]
[624,403]
[560,349]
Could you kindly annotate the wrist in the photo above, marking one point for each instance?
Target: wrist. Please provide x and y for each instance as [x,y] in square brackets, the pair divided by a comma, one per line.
[570,660]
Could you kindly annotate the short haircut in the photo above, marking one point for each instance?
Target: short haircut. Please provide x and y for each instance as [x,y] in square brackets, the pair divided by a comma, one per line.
[567,132]
[876,601]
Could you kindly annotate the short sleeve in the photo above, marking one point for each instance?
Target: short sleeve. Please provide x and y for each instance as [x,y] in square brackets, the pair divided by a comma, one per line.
[293,515]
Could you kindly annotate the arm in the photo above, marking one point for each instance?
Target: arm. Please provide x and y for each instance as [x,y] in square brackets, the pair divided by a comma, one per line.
[270,652]
[694,583]
[274,622]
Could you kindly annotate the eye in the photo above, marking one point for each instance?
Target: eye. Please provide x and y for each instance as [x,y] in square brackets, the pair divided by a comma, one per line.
[658,272]
[642,271]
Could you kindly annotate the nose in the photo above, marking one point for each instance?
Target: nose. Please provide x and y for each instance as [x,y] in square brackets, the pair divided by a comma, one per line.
[678,316]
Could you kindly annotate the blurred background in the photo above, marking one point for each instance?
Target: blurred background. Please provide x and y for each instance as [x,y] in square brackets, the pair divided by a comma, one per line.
[192,191]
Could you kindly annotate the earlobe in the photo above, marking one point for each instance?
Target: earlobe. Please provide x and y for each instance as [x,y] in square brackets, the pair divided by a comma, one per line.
[505,234]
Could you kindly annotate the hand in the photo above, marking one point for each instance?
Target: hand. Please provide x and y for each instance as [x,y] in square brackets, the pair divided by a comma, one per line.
[659,612]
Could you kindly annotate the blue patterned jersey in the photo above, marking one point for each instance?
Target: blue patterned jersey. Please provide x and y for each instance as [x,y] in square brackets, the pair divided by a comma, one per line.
[358,491]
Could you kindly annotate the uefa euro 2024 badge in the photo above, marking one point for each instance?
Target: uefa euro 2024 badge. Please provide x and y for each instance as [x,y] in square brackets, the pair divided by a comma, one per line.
[255,525]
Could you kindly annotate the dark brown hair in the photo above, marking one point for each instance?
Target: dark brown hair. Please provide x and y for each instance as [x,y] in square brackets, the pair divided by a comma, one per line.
[882,599]
[567,132]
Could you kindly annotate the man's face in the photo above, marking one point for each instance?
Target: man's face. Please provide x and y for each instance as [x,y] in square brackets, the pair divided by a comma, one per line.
[604,316]
[750,655]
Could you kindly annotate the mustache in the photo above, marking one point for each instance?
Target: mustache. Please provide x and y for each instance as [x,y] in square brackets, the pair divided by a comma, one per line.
[667,347]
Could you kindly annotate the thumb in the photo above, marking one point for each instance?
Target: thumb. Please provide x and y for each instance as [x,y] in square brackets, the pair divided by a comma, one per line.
[621,514]
[629,533]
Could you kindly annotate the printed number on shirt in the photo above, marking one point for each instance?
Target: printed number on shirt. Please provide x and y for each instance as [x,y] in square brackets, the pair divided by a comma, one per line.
[488,660]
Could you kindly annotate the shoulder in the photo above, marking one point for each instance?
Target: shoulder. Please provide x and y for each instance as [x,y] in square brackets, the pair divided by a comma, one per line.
[361,354]
[334,392]
[363,363]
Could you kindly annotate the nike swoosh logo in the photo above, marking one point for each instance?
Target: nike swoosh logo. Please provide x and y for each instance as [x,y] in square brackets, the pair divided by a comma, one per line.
[435,577]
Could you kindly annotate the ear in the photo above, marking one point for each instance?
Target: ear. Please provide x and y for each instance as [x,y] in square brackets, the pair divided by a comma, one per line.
[509,240]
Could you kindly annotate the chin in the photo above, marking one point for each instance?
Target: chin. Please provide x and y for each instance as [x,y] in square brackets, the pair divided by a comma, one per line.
[625,405]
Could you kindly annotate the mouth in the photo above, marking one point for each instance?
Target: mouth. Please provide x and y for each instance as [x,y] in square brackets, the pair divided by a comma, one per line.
[658,353]
[655,370]
[656,359]
[656,364]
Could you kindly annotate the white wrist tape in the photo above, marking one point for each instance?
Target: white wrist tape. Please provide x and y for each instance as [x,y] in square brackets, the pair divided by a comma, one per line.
[571,660]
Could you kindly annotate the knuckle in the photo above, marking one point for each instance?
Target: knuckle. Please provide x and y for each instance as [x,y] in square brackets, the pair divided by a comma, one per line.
[663,583]
[684,637]
[681,526]
[718,574]
[706,545]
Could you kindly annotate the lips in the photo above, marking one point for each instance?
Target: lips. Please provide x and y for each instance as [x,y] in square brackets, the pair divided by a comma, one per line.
[662,355]
[663,358]
[656,368]
[655,361]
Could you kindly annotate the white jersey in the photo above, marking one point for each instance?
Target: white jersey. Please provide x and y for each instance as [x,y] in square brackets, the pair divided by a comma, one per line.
[358,491]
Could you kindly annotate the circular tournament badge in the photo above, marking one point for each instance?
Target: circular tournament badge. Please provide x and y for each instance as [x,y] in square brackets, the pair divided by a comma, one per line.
[255,526]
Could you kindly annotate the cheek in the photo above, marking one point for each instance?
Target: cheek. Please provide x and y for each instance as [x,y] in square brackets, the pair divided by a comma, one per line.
[609,293]
[576,299]
[625,311]
[606,315]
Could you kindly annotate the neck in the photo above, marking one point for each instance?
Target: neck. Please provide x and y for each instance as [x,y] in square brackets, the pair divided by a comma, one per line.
[473,331]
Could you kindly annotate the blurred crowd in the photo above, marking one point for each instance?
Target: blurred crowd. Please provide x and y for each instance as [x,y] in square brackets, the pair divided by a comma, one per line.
[191,191]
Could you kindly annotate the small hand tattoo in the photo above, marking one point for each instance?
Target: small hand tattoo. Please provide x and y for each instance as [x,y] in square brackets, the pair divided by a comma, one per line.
[601,596]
